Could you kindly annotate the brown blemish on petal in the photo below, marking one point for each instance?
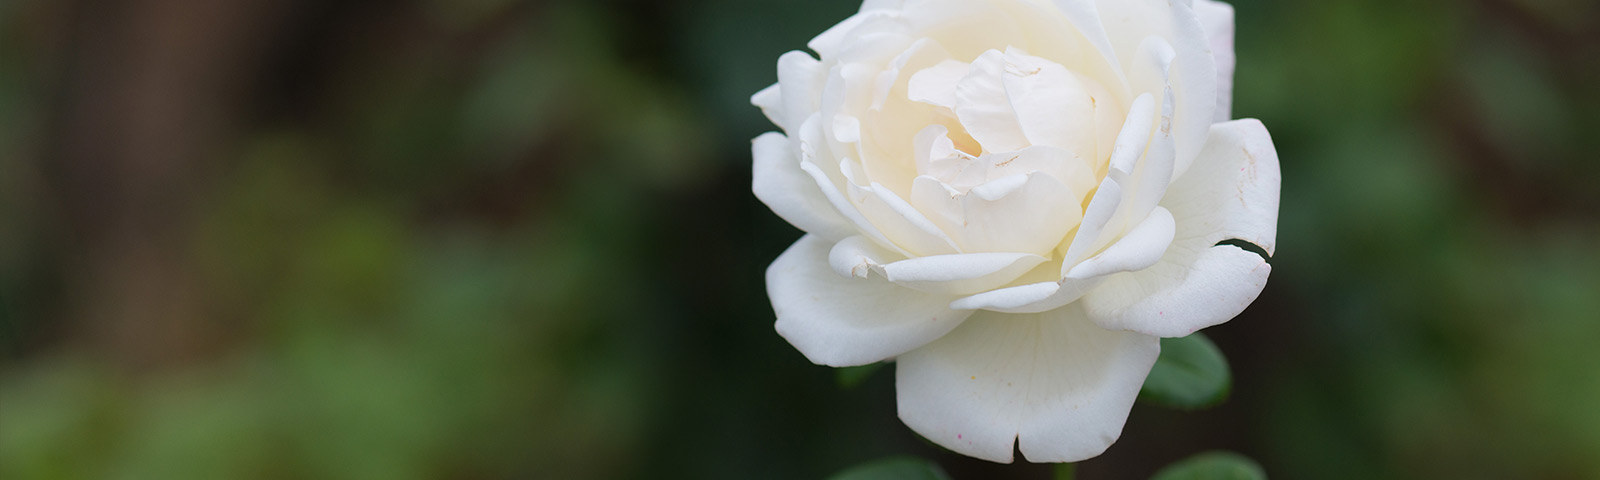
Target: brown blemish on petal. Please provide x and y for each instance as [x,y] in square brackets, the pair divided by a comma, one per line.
[1251,168]
[1249,175]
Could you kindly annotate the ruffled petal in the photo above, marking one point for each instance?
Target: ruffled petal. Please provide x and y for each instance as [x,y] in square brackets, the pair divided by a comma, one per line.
[1141,248]
[1193,72]
[1230,194]
[984,109]
[903,225]
[1137,178]
[1053,106]
[936,85]
[778,181]
[1022,213]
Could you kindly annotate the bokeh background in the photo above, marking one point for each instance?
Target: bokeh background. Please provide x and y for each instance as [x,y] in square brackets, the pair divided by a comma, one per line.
[485,239]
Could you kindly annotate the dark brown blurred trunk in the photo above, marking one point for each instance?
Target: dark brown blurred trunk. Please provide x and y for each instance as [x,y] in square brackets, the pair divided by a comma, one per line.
[149,107]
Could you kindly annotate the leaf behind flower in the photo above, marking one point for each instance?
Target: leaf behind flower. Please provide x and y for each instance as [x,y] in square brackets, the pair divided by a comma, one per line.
[1213,466]
[1191,374]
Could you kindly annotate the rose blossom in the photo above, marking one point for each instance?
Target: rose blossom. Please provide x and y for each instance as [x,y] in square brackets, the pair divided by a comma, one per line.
[1014,200]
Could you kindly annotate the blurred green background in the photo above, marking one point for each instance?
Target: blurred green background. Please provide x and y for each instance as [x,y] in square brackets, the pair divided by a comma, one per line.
[306,239]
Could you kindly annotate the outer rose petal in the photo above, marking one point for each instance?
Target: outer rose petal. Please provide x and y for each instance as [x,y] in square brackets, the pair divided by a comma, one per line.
[788,102]
[839,321]
[830,42]
[1231,193]
[777,180]
[1217,20]
[1055,382]
[770,101]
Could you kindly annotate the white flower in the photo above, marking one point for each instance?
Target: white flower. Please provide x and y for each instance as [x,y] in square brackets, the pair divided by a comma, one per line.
[1014,199]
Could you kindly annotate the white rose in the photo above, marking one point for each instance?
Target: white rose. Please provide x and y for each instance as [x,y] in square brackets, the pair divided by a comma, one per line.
[1014,199]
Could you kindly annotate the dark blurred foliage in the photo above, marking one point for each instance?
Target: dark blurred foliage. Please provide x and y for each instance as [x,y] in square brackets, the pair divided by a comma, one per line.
[513,239]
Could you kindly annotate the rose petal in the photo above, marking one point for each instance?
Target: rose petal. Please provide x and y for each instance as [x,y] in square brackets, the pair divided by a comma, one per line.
[840,321]
[1063,165]
[1028,213]
[848,89]
[814,147]
[886,155]
[1139,249]
[1137,186]
[919,54]
[1193,71]
[1230,193]
[938,158]
[1052,106]
[1236,195]
[1085,15]
[1147,182]
[778,181]
[1049,34]
[983,108]
[1054,383]
[800,81]
[882,5]
[843,205]
[965,27]
[936,85]
[859,257]
[1030,298]
[1134,137]
[846,129]
[1216,18]
[1097,217]
[770,101]
[901,223]
[831,41]
[961,274]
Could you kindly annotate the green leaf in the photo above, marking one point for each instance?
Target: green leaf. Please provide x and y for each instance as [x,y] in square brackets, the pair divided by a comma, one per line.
[1191,374]
[1213,466]
[850,377]
[894,468]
